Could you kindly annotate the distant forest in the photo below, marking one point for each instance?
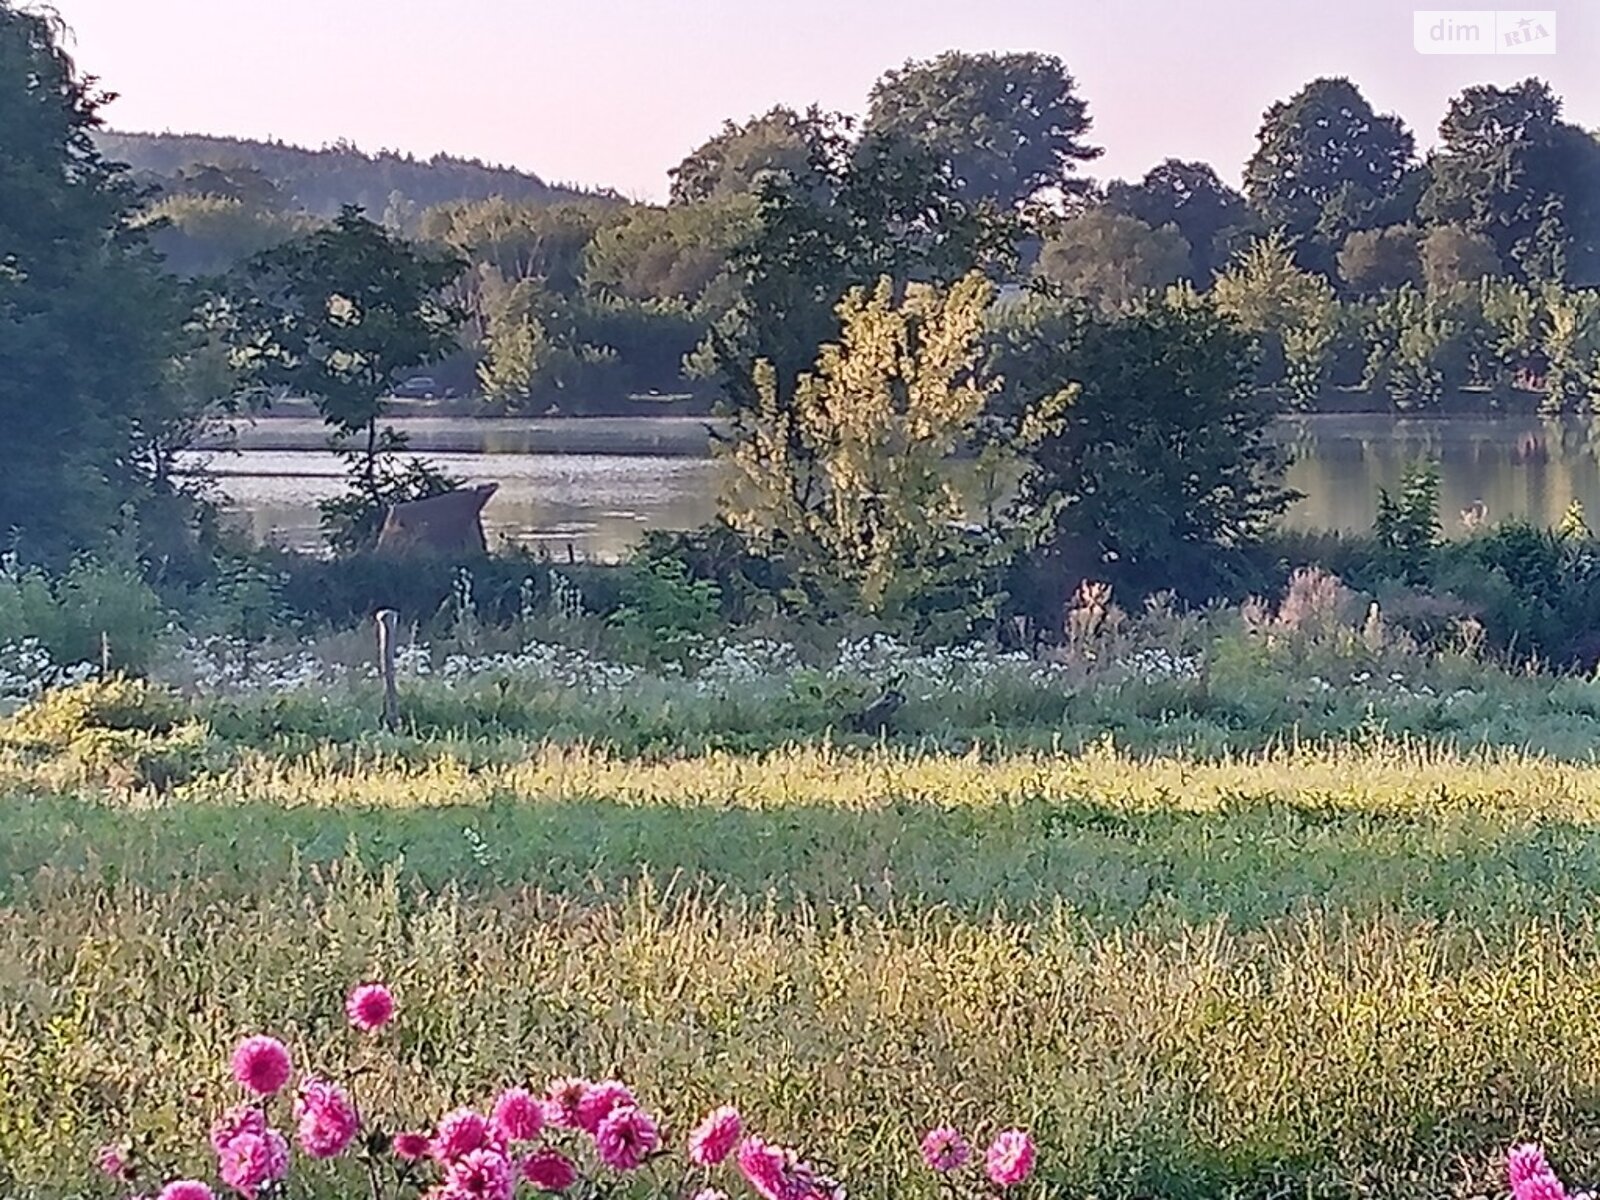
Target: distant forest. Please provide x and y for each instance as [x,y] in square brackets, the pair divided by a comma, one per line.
[319,182]
[1357,264]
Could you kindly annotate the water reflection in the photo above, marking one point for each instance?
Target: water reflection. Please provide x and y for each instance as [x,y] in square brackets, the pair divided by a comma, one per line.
[1500,467]
[597,504]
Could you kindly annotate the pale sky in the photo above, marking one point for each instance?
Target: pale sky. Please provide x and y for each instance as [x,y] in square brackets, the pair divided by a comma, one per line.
[615,92]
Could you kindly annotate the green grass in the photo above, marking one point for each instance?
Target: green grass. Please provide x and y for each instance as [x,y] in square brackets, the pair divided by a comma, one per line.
[1352,967]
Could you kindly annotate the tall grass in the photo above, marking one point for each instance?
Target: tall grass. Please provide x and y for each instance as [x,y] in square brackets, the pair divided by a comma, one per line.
[1324,970]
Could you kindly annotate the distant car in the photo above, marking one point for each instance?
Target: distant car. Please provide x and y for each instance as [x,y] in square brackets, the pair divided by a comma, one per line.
[420,387]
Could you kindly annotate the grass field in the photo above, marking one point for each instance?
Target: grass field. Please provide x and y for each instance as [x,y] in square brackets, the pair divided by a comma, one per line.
[1357,965]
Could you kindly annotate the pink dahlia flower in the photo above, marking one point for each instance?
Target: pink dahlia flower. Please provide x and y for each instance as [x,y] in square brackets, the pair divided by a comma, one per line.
[1524,1162]
[1540,1187]
[111,1162]
[766,1168]
[409,1147]
[459,1134]
[370,1007]
[253,1159]
[187,1189]
[599,1099]
[626,1138]
[715,1137]
[517,1115]
[481,1175]
[241,1118]
[561,1101]
[327,1121]
[1010,1158]
[262,1065]
[945,1150]
[549,1171]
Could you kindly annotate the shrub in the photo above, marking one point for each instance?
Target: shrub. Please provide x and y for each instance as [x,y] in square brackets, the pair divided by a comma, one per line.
[93,612]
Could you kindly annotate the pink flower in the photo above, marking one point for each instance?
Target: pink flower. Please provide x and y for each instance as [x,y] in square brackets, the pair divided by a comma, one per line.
[1540,1187]
[370,1007]
[944,1149]
[459,1134]
[765,1167]
[111,1161]
[327,1120]
[561,1101]
[253,1159]
[626,1138]
[241,1118]
[517,1116]
[598,1100]
[1010,1158]
[1524,1162]
[481,1175]
[776,1173]
[410,1146]
[186,1189]
[549,1171]
[261,1064]
[711,1193]
[715,1137]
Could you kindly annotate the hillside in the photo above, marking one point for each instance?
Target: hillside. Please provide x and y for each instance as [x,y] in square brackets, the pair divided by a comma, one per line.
[320,181]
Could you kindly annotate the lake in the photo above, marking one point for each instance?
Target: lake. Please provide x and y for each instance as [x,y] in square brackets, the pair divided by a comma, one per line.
[590,486]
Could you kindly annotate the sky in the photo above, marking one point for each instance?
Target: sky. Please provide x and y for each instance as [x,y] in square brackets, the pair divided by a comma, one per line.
[614,93]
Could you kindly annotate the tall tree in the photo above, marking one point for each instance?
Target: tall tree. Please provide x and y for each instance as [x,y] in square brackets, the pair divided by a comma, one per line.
[338,314]
[1110,260]
[1210,215]
[849,484]
[729,163]
[1509,168]
[1373,260]
[1160,463]
[1326,165]
[1010,126]
[860,210]
[86,321]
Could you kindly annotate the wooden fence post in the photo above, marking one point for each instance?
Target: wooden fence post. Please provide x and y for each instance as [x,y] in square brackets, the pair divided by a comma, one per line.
[387,622]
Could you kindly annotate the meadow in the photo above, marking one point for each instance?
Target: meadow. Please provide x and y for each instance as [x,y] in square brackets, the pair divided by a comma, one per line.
[1211,912]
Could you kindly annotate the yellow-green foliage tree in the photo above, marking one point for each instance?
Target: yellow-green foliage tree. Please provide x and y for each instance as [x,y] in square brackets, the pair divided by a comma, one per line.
[1293,312]
[850,481]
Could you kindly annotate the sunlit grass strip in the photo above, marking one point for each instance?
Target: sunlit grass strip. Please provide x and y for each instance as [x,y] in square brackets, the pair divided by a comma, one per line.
[1371,1058]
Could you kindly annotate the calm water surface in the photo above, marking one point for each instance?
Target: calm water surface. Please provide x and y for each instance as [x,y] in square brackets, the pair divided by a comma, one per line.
[559,492]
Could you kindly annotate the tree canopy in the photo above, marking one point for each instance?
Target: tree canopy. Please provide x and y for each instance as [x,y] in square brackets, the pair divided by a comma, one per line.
[1009,126]
[1326,165]
[87,323]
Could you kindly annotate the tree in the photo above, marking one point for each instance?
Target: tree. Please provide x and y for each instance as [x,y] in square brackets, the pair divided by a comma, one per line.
[1375,260]
[680,253]
[850,484]
[1110,260]
[728,164]
[1210,215]
[87,323]
[1160,462]
[861,210]
[519,240]
[1452,254]
[206,235]
[338,314]
[1326,165]
[1009,126]
[1510,169]
[1293,312]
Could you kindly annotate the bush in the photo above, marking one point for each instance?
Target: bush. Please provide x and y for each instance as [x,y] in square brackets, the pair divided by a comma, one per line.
[93,612]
